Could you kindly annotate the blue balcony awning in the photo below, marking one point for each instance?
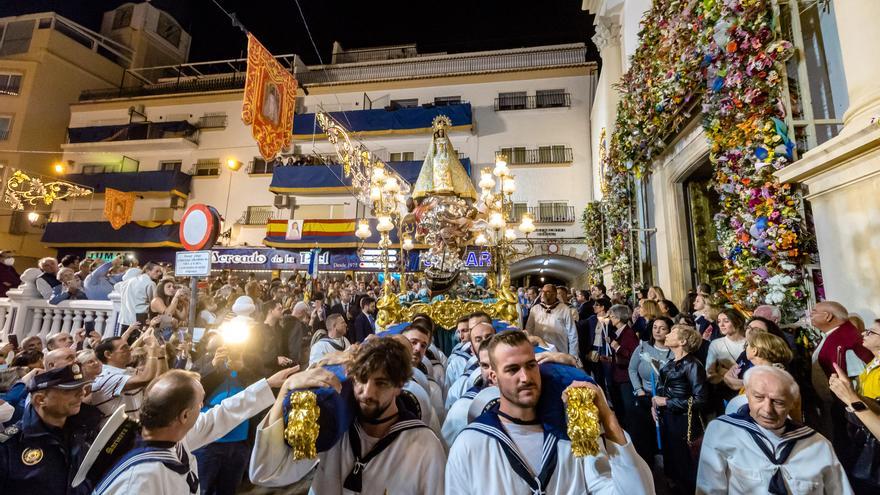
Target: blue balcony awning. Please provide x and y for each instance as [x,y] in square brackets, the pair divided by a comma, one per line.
[132,132]
[155,181]
[325,179]
[416,120]
[101,234]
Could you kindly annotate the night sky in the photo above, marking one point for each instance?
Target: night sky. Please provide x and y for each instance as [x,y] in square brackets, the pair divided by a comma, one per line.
[451,26]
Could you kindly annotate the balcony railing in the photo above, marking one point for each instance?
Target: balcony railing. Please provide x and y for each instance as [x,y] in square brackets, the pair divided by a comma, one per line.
[186,85]
[4,134]
[134,132]
[538,156]
[552,100]
[259,215]
[552,213]
[212,122]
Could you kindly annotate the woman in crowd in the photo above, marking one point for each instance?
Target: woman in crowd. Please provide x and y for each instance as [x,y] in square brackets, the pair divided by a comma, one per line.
[648,312]
[596,332]
[168,300]
[762,349]
[622,342]
[869,379]
[678,407]
[667,308]
[723,354]
[656,294]
[644,368]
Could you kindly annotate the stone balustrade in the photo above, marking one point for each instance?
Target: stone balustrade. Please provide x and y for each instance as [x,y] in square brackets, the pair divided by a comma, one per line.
[23,315]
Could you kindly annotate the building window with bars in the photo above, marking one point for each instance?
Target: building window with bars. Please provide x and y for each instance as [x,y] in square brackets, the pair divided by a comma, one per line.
[170,165]
[207,167]
[550,98]
[261,166]
[212,121]
[442,101]
[258,215]
[554,212]
[519,209]
[514,155]
[10,84]
[5,127]
[404,103]
[516,100]
[403,156]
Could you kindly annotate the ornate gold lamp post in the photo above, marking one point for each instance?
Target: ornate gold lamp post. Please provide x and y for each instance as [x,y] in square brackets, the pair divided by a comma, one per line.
[497,187]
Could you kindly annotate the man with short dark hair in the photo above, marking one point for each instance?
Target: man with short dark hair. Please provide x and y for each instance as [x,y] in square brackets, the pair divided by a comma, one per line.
[456,417]
[117,383]
[479,333]
[386,450]
[41,453]
[365,323]
[509,450]
[461,331]
[419,338]
[172,426]
[319,314]
[335,340]
[460,359]
[346,307]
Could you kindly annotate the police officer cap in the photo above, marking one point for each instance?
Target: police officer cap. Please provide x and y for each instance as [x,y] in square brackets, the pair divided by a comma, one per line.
[66,378]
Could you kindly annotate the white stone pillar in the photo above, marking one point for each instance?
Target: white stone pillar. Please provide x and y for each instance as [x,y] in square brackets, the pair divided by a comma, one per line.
[604,110]
[859,39]
[841,177]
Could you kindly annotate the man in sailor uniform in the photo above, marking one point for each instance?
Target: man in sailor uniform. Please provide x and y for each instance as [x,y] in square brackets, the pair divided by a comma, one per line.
[508,450]
[759,449]
[419,337]
[460,385]
[458,361]
[457,417]
[385,450]
[172,426]
[462,331]
[335,340]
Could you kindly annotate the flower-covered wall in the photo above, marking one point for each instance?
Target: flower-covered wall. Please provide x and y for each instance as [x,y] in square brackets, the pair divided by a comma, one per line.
[721,58]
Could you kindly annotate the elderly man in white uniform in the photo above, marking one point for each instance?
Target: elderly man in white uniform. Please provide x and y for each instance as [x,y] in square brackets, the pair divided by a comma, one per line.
[172,427]
[508,450]
[385,450]
[760,450]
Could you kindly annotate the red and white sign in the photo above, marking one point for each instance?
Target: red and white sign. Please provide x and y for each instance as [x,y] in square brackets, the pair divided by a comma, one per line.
[199,227]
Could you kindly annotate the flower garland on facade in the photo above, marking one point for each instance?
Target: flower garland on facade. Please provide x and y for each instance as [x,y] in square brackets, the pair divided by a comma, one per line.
[759,223]
[591,219]
[728,50]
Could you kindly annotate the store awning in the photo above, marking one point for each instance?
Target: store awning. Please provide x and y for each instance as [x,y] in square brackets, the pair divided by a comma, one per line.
[329,179]
[414,120]
[155,181]
[102,234]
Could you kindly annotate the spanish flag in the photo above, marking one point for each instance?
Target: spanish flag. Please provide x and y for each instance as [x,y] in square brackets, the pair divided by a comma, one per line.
[319,228]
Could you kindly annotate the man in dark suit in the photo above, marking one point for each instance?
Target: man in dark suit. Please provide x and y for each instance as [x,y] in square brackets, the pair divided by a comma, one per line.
[346,308]
[584,305]
[365,323]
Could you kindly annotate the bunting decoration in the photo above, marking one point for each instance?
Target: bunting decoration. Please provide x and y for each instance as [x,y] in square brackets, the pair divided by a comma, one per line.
[118,207]
[269,100]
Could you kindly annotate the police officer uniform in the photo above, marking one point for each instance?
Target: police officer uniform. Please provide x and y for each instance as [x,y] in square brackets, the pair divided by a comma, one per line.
[39,458]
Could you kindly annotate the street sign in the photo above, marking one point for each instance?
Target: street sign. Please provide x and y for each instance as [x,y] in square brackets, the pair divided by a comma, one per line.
[192,264]
[199,227]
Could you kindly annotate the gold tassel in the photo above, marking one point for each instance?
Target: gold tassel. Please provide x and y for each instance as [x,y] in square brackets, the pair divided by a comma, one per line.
[583,421]
[301,431]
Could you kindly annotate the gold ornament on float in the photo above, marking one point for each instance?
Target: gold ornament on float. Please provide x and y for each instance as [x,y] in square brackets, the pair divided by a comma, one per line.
[583,421]
[301,430]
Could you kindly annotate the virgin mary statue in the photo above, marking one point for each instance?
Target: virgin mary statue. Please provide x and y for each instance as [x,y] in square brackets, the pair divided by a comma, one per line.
[442,173]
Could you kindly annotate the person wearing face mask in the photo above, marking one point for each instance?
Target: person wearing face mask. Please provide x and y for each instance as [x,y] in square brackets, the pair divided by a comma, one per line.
[9,278]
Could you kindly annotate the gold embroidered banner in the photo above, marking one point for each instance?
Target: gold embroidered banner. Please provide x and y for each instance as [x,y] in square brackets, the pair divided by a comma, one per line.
[118,206]
[269,100]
